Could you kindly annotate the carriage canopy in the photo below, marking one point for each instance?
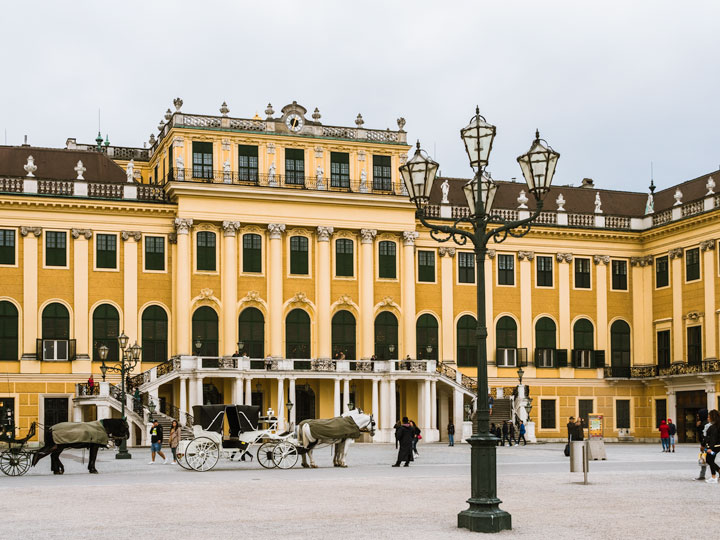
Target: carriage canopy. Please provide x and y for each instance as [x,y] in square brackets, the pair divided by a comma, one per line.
[240,418]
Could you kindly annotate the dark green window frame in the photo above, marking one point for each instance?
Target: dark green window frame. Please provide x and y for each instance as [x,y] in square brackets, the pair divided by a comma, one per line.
[339,170]
[344,266]
[206,249]
[466,267]
[8,331]
[426,334]
[544,274]
[694,345]
[295,166]
[426,266]
[622,414]
[663,348]
[155,253]
[548,419]
[205,331]
[106,329]
[692,264]
[620,344]
[619,276]
[466,341]
[55,322]
[252,253]
[585,408]
[299,255]
[662,271]
[387,260]
[251,329]
[55,248]
[106,254]
[202,160]
[247,163]
[386,335]
[344,334]
[154,334]
[506,270]
[297,334]
[382,173]
[582,273]
[7,246]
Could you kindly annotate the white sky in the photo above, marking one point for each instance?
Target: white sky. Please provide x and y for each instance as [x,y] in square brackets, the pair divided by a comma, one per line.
[611,85]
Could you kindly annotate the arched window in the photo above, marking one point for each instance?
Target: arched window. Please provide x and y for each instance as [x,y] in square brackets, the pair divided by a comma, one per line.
[205,331]
[106,329]
[620,348]
[506,342]
[426,332]
[386,336]
[343,334]
[583,344]
[466,342]
[55,322]
[154,334]
[297,334]
[545,342]
[8,331]
[251,332]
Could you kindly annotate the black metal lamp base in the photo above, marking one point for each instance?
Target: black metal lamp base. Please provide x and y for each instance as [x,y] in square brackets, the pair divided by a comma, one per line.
[123,455]
[484,517]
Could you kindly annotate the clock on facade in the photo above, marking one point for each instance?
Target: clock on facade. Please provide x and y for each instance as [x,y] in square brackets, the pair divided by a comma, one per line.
[294,122]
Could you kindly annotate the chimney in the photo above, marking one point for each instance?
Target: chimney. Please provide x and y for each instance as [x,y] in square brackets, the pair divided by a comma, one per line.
[587,183]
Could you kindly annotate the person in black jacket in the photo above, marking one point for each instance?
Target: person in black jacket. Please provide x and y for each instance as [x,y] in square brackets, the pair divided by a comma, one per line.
[712,445]
[404,435]
[156,437]
[451,433]
[505,433]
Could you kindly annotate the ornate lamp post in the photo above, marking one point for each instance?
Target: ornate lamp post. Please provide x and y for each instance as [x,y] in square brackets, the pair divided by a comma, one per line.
[481,226]
[130,356]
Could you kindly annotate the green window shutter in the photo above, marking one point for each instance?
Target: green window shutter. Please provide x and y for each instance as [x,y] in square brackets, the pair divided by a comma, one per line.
[339,170]
[622,413]
[344,257]
[299,255]
[562,357]
[382,173]
[252,253]
[466,264]
[247,163]
[206,251]
[692,264]
[8,331]
[202,160]
[599,358]
[662,276]
[506,270]
[106,255]
[544,271]
[294,166]
[154,253]
[387,263]
[7,246]
[55,248]
[426,266]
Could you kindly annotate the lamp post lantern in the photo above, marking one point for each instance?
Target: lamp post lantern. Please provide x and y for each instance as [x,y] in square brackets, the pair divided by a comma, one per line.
[478,228]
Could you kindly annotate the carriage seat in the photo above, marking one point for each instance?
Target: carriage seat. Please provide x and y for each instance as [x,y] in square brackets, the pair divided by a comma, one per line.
[198,431]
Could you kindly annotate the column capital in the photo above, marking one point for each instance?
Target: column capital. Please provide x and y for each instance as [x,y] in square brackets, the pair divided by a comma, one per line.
[324,233]
[37,231]
[641,261]
[601,259]
[449,251]
[409,237]
[85,233]
[230,227]
[183,225]
[367,236]
[136,235]
[707,245]
[564,257]
[676,253]
[276,230]
[522,255]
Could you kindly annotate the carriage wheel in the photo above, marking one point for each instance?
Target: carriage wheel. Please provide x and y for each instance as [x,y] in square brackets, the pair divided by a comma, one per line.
[285,455]
[15,462]
[202,454]
[182,462]
[265,455]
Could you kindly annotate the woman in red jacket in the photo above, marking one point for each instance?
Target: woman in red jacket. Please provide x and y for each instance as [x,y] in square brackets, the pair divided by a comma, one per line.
[664,436]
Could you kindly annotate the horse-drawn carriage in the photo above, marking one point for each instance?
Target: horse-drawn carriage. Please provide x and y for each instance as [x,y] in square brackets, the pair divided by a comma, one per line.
[15,460]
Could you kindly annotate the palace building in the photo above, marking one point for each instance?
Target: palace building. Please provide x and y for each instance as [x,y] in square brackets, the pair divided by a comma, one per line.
[278,261]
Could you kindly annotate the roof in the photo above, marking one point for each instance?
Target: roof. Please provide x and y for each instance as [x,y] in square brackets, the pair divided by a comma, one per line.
[60,163]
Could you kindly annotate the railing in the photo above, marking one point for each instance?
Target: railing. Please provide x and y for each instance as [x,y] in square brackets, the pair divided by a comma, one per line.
[547,218]
[219,363]
[469,383]
[617,372]
[105,191]
[55,187]
[84,389]
[617,222]
[167,367]
[55,350]
[581,220]
[11,185]
[691,208]
[506,214]
[414,366]
[661,218]
[151,193]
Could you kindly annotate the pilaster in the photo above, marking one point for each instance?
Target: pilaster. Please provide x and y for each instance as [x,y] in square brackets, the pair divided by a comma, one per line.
[564,261]
[275,288]
[641,355]
[408,294]
[525,259]
[677,277]
[601,264]
[130,283]
[229,287]
[80,295]
[447,352]
[30,237]
[707,248]
[323,282]
[182,289]
[367,293]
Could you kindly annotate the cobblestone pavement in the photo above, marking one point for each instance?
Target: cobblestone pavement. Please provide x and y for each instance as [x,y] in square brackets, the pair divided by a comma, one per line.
[627,495]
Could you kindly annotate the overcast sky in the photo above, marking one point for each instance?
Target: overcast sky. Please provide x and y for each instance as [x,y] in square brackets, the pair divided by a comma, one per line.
[611,85]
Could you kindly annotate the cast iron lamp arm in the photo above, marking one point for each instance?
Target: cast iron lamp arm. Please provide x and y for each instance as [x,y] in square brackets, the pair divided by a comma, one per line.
[500,234]
[459,235]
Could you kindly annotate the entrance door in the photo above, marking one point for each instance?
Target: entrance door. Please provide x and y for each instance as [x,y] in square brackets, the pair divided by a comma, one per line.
[56,411]
[305,403]
[688,405]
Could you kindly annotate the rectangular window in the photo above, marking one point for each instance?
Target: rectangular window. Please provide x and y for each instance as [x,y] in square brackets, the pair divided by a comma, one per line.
[154,253]
[544,271]
[295,166]
[426,266]
[585,407]
[247,163]
[157,180]
[170,164]
[663,348]
[55,248]
[106,256]
[339,170]
[619,275]
[582,273]
[694,345]
[382,173]
[299,255]
[662,275]
[466,267]
[387,251]
[547,414]
[206,251]
[692,264]
[622,414]
[506,270]
[202,160]
[7,246]
[252,253]
[660,411]
[344,257]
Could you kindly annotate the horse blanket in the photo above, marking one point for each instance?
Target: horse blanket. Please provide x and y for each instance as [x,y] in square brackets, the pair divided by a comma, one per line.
[79,432]
[341,427]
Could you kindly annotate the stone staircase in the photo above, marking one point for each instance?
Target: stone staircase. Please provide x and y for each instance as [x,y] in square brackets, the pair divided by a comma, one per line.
[166,421]
[502,410]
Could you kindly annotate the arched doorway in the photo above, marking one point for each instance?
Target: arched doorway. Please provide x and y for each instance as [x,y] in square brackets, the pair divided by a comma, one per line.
[251,331]
[305,403]
[386,336]
[426,332]
[466,342]
[343,334]
[205,331]
[154,334]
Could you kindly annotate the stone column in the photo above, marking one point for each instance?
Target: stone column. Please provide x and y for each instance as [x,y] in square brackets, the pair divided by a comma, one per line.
[238,390]
[183,264]
[408,295]
[275,272]
[711,393]
[199,391]
[458,414]
[564,261]
[183,400]
[427,409]
[601,264]
[229,288]
[336,397]
[433,405]
[248,391]
[130,284]
[708,250]
[671,403]
[324,279]
[192,398]
[292,399]
[367,293]
[385,424]
[375,399]
[78,414]
[80,294]
[447,350]
[525,259]
[281,402]
[346,395]
[30,296]
[393,405]
[678,277]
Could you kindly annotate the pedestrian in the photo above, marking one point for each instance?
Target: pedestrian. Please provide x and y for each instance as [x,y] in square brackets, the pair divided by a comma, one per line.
[702,458]
[236,354]
[137,401]
[174,440]
[511,432]
[521,429]
[712,445]
[491,402]
[156,437]
[408,362]
[416,436]
[505,433]
[579,434]
[570,428]
[664,436]
[373,358]
[672,430]
[451,433]
[91,385]
[404,437]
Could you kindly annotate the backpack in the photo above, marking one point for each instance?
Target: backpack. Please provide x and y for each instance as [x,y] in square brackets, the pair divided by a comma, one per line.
[567,450]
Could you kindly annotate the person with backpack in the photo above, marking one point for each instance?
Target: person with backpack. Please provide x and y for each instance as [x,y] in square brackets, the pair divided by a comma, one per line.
[451,433]
[672,430]
[664,436]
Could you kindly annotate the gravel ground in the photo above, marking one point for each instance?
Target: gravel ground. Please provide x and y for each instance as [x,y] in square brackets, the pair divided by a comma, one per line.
[626,496]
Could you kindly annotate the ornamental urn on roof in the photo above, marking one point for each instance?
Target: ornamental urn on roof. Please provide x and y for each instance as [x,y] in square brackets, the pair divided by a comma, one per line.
[178,102]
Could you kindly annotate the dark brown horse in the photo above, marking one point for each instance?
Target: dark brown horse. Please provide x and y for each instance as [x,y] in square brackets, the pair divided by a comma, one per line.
[116,428]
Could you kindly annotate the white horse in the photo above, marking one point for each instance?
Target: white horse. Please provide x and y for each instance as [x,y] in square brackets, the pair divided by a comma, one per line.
[306,439]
